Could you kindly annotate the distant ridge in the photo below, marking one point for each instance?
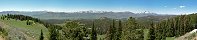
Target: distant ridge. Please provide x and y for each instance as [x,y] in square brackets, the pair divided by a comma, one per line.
[80,14]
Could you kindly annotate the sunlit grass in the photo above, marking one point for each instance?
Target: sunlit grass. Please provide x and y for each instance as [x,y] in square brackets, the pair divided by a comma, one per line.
[31,30]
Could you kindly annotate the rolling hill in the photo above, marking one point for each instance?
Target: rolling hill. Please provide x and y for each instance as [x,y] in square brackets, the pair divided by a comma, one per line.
[19,30]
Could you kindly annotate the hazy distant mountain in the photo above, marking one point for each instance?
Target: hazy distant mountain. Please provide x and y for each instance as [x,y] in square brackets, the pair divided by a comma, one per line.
[80,15]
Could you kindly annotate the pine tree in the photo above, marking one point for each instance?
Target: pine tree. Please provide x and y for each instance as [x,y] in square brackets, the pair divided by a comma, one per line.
[119,31]
[152,33]
[195,21]
[94,34]
[41,35]
[53,33]
[27,22]
[111,32]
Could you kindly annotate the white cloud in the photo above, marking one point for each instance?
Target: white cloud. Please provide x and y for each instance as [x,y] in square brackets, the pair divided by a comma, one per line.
[182,6]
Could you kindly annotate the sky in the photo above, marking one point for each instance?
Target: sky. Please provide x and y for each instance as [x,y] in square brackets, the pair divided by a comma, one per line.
[136,6]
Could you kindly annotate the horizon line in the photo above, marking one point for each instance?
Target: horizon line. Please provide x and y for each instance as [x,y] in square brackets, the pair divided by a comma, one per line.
[94,10]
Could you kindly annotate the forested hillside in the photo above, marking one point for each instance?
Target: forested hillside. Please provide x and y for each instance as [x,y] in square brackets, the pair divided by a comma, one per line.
[174,27]
[103,28]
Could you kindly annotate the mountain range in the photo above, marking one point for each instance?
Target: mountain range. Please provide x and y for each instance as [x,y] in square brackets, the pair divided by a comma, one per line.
[81,14]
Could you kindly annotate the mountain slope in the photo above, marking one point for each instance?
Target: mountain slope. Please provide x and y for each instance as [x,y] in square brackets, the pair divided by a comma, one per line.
[18,30]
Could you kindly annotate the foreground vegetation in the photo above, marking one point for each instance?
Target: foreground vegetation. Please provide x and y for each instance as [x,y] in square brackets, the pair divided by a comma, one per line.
[105,28]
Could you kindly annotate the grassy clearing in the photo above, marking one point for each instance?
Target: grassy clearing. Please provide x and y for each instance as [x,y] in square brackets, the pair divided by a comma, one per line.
[170,38]
[146,34]
[31,30]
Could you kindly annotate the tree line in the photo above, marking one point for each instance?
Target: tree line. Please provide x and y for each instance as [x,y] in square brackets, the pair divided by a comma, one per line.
[174,27]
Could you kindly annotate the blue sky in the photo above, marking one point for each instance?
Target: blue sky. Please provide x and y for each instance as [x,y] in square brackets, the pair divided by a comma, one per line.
[136,6]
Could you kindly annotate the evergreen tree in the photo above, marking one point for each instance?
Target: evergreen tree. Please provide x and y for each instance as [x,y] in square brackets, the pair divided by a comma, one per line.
[152,33]
[132,31]
[111,32]
[41,35]
[53,33]
[94,34]
[119,33]
[27,22]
